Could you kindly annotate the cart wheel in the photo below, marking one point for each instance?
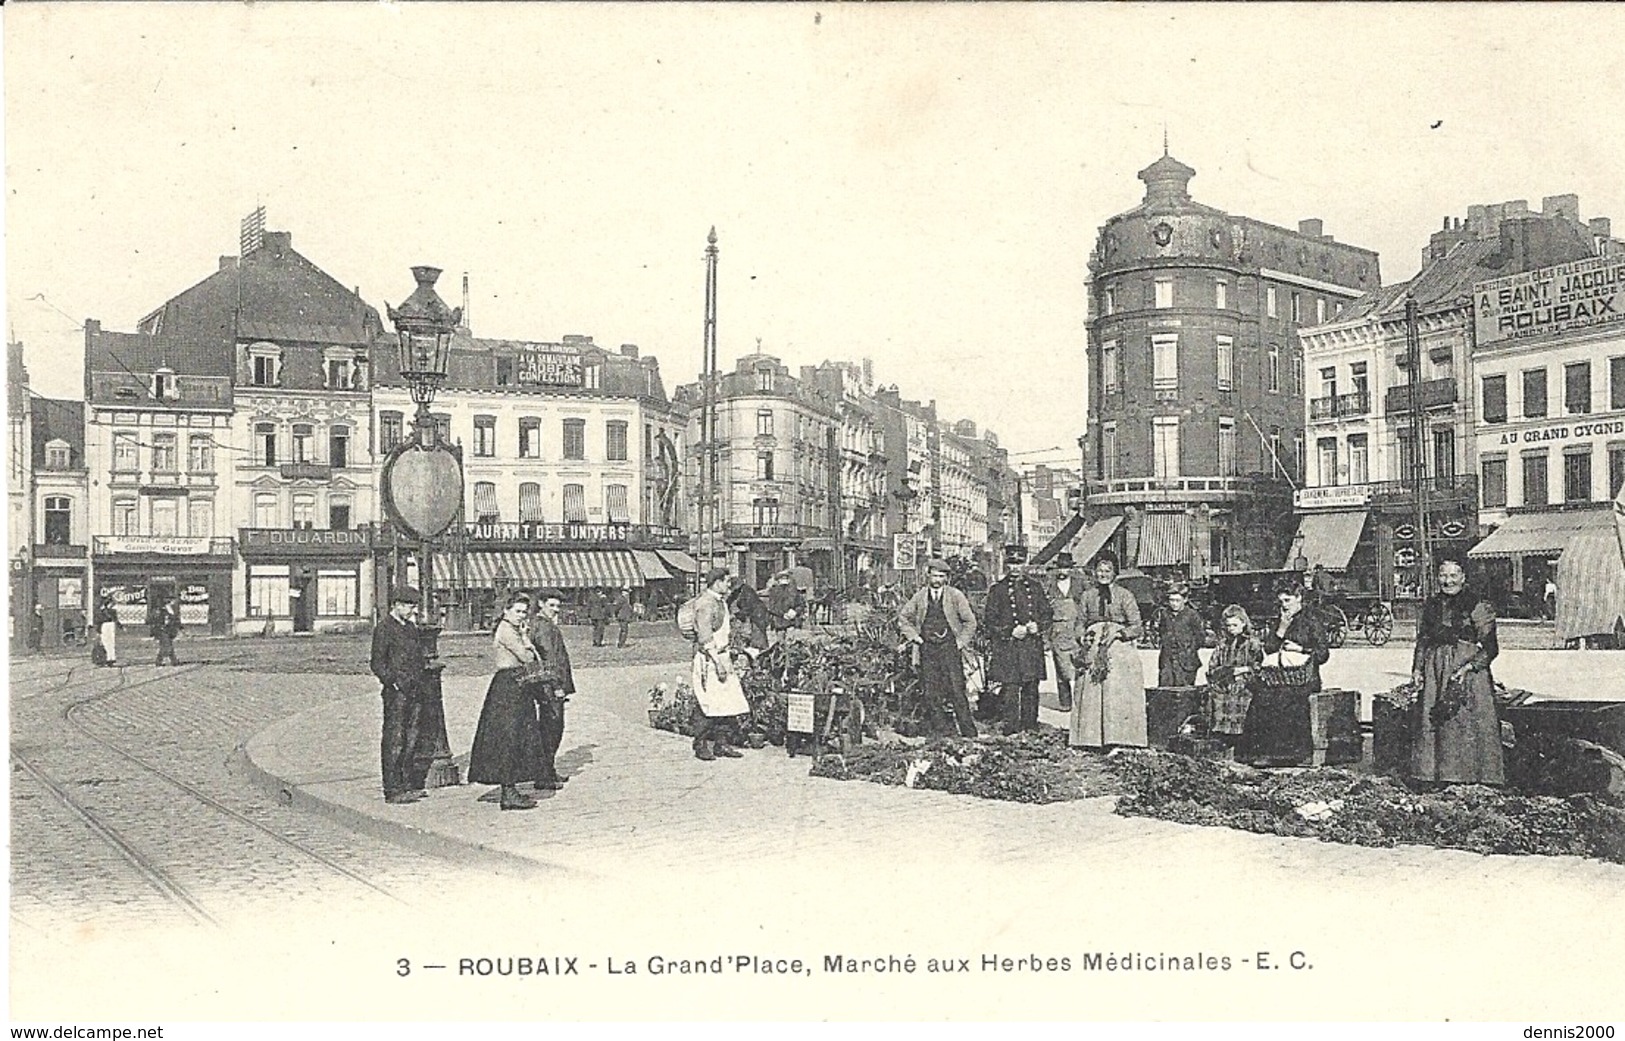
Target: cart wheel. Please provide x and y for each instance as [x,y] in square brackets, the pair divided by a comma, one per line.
[1379,625]
[1337,625]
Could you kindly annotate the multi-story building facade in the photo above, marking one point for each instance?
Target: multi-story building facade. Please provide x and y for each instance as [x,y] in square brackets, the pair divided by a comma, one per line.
[777,494]
[160,459]
[1196,375]
[571,467]
[301,495]
[60,494]
[964,529]
[913,483]
[861,543]
[19,533]
[1358,513]
[1549,383]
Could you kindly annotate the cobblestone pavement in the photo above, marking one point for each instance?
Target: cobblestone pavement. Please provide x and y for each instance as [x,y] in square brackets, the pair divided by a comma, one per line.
[648,851]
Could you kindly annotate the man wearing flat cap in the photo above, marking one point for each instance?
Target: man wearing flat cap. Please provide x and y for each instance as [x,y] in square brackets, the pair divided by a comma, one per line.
[939,620]
[1019,617]
[400,665]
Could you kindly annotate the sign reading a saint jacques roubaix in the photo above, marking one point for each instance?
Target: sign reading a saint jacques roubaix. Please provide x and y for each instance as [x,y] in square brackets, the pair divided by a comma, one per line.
[1556,299]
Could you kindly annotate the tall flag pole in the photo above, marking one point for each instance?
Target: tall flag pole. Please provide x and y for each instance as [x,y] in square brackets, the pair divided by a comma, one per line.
[709,509]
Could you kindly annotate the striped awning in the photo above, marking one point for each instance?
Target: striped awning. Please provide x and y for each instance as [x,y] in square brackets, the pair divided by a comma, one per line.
[1165,540]
[530,569]
[676,558]
[1590,585]
[1090,540]
[1539,534]
[1327,539]
[649,563]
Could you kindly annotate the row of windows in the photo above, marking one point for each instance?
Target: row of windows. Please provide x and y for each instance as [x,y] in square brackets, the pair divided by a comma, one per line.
[268,511]
[486,507]
[1577,394]
[1160,293]
[392,430]
[339,373]
[165,517]
[1165,366]
[1535,477]
[270,589]
[1165,449]
[165,453]
[301,446]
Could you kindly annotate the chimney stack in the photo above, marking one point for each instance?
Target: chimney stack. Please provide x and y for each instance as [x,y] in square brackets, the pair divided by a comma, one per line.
[1311,226]
[228,263]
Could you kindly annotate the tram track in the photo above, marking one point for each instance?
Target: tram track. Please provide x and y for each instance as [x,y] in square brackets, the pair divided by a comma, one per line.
[141,795]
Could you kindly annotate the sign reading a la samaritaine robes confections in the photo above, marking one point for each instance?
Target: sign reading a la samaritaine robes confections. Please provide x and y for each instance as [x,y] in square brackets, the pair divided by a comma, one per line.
[549,369]
[1577,295]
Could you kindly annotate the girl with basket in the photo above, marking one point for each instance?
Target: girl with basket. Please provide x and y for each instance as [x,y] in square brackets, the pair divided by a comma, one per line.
[1276,732]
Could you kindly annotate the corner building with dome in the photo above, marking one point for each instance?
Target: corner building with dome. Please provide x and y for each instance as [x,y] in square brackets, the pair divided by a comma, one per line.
[1196,384]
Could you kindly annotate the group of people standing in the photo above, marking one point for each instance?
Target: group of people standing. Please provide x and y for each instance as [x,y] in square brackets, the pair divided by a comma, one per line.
[602,608]
[521,724]
[164,626]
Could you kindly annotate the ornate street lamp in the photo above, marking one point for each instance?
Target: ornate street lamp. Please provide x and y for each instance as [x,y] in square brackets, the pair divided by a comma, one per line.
[422,484]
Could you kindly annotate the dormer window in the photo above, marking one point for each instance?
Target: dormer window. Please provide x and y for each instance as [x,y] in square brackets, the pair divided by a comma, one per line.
[265,361]
[58,455]
[163,385]
[764,379]
[343,368]
[338,374]
[592,375]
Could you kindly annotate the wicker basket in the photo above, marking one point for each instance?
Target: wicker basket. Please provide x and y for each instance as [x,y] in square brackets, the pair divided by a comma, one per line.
[1281,677]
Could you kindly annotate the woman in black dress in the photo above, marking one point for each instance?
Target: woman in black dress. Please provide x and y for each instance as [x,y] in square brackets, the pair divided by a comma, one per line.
[508,742]
[1277,729]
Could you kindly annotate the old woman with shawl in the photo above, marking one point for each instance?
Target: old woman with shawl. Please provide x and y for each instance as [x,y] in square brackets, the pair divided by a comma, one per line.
[1456,735]
[1108,703]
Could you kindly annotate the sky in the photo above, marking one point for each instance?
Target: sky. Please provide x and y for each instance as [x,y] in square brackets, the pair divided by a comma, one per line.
[918,184]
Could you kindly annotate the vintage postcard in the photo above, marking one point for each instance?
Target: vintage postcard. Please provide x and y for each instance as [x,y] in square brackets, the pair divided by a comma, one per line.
[814,512]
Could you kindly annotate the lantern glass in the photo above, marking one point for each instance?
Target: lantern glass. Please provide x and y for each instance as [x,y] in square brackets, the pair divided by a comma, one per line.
[423,352]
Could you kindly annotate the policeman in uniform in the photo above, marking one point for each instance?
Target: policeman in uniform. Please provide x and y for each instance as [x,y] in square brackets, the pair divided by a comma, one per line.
[1018,618]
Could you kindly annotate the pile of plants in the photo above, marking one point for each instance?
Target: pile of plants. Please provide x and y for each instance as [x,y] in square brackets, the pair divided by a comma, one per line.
[1032,767]
[1338,806]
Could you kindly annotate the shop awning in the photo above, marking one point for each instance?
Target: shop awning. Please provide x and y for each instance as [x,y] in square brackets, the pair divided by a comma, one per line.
[1327,539]
[649,564]
[1539,534]
[532,569]
[676,558]
[1165,540]
[1590,585]
[1090,540]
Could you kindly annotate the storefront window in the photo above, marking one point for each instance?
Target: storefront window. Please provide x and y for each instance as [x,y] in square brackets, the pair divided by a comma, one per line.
[337,592]
[267,590]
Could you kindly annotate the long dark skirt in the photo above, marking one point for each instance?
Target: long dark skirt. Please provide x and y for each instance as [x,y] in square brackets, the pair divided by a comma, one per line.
[1277,727]
[1465,748]
[508,742]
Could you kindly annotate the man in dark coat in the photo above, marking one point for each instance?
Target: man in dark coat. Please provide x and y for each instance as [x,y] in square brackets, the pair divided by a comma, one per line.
[1182,637]
[623,615]
[166,628]
[1018,616]
[399,663]
[785,606]
[598,615]
[940,622]
[548,640]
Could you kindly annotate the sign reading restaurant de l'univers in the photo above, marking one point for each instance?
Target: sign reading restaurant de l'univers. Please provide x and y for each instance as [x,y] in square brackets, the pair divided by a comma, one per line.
[1556,299]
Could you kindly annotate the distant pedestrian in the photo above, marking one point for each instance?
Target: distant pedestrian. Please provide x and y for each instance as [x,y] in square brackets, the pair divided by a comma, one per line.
[36,628]
[1182,637]
[547,638]
[598,615]
[401,666]
[1018,616]
[1550,596]
[717,688]
[508,740]
[785,606]
[939,620]
[106,621]
[166,627]
[623,615]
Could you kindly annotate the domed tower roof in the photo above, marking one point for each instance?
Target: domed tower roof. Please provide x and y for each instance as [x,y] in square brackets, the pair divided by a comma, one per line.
[1166,180]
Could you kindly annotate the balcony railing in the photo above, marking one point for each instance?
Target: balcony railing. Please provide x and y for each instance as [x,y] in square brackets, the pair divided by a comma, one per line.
[1357,403]
[1435,394]
[311,471]
[1154,486]
[1456,486]
[58,551]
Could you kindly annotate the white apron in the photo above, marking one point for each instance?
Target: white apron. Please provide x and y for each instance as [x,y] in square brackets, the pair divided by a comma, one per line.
[718,698]
[110,641]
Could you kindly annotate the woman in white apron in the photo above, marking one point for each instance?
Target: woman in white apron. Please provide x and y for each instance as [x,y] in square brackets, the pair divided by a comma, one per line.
[107,629]
[716,685]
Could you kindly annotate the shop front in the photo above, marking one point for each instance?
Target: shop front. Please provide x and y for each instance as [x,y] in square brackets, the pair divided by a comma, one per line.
[304,580]
[59,590]
[141,572]
[1521,560]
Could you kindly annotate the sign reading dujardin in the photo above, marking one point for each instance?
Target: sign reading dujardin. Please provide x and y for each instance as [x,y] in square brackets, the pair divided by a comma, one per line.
[1576,295]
